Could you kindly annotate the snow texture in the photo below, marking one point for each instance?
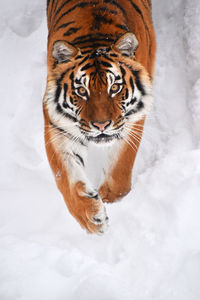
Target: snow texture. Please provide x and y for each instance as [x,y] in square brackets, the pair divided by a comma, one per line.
[152,248]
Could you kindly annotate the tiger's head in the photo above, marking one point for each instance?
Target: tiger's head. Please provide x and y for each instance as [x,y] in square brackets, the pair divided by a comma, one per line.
[96,95]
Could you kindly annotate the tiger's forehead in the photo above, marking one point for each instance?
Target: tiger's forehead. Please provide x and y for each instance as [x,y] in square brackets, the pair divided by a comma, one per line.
[97,69]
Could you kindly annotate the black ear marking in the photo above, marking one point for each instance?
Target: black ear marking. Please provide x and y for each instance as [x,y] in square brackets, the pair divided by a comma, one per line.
[127,44]
[63,51]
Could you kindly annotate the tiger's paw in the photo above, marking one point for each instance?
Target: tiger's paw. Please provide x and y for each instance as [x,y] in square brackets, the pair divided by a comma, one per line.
[113,192]
[87,207]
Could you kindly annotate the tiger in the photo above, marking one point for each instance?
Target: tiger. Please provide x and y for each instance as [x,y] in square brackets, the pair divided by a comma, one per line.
[100,61]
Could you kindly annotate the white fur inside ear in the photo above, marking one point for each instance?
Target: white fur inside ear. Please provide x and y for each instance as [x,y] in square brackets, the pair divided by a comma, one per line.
[63,51]
[127,44]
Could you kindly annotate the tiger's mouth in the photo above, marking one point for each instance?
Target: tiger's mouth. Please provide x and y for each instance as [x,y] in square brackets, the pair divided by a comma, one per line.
[103,138]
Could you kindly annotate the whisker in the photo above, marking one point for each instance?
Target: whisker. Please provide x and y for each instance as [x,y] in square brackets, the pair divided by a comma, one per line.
[138,130]
[135,137]
[137,134]
[129,138]
[133,128]
[128,142]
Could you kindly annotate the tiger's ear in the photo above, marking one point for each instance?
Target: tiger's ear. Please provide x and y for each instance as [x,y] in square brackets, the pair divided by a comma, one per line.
[127,44]
[63,51]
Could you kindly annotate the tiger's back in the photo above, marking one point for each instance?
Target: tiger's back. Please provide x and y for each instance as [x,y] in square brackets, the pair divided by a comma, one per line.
[89,24]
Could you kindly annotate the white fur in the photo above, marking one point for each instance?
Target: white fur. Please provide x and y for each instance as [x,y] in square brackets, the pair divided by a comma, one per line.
[111,159]
[111,78]
[84,81]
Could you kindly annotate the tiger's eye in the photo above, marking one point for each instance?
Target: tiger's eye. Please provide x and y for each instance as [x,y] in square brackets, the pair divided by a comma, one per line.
[82,91]
[115,88]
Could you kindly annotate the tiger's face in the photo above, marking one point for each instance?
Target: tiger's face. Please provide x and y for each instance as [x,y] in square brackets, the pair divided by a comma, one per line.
[97,96]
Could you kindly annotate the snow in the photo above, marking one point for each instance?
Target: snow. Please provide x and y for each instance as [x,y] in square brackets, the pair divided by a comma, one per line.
[152,248]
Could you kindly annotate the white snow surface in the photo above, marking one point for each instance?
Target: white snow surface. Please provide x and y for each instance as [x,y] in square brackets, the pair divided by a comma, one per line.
[152,248]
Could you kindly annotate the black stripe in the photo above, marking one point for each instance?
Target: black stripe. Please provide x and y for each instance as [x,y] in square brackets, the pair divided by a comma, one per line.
[113,55]
[65,25]
[80,5]
[72,80]
[56,4]
[56,127]
[77,81]
[123,71]
[140,105]
[57,94]
[83,60]
[87,36]
[94,40]
[72,30]
[62,76]
[118,121]
[133,100]
[60,110]
[83,124]
[85,130]
[106,64]
[131,83]
[58,84]
[138,82]
[126,55]
[109,11]
[62,5]
[130,112]
[86,51]
[136,8]
[51,8]
[123,27]
[78,111]
[79,57]
[109,71]
[93,46]
[59,63]
[72,76]
[65,105]
[115,3]
[123,107]
[80,158]
[99,20]
[65,90]
[87,66]
[107,57]
[127,94]
[71,100]
[121,125]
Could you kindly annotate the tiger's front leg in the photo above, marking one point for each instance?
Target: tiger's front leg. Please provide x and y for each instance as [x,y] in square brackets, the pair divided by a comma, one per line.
[66,158]
[118,174]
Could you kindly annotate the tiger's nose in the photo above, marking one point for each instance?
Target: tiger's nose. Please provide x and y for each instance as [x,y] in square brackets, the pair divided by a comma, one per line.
[101,125]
